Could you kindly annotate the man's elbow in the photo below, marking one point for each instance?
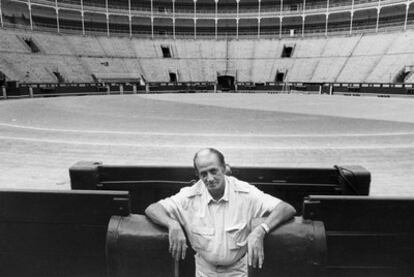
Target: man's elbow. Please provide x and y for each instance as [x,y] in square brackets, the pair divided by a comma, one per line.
[149,211]
[289,211]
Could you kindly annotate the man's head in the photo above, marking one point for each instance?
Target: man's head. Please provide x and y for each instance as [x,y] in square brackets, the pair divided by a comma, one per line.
[211,168]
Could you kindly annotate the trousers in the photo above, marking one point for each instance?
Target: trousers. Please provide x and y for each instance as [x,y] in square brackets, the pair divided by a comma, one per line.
[205,269]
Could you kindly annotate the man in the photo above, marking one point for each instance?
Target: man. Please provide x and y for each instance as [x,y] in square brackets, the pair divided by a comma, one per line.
[216,213]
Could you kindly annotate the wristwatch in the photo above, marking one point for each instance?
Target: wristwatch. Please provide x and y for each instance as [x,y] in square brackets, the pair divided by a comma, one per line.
[265,227]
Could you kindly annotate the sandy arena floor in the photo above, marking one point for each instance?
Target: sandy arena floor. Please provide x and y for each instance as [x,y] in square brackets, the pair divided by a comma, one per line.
[41,138]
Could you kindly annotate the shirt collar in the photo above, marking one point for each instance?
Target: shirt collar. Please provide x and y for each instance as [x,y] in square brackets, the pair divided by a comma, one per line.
[225,197]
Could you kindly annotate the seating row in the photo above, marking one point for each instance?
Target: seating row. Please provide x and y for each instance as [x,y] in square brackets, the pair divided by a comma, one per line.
[69,58]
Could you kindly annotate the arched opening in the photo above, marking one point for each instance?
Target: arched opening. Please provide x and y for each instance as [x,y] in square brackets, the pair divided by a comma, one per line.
[225,82]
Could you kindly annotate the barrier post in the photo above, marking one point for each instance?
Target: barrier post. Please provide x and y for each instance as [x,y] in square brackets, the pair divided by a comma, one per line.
[31,91]
[3,88]
[108,89]
[134,89]
[320,89]
[121,89]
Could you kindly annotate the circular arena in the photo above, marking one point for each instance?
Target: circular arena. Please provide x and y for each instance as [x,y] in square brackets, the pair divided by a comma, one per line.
[103,104]
[41,138]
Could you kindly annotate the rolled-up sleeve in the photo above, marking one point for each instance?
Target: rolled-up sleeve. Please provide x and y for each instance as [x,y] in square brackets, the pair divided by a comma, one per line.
[174,205]
[263,203]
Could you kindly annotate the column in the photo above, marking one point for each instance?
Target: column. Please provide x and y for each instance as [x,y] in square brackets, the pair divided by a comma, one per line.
[237,19]
[327,18]
[107,18]
[1,16]
[237,28]
[216,19]
[303,18]
[281,18]
[215,27]
[352,17]
[129,18]
[57,16]
[406,14]
[152,19]
[83,18]
[378,14]
[258,19]
[173,19]
[195,19]
[30,14]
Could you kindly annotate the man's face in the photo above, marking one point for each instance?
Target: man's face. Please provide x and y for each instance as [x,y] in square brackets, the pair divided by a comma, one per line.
[212,173]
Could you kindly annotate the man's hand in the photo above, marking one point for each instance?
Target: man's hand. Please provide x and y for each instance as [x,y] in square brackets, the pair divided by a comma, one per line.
[255,252]
[178,242]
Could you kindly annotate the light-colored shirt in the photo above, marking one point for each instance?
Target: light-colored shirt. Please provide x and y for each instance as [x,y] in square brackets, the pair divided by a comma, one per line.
[218,229]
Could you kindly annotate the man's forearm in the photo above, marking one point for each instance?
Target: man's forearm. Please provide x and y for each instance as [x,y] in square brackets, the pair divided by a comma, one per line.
[280,214]
[159,215]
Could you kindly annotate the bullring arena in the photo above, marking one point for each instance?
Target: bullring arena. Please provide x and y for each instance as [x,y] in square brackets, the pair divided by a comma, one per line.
[103,104]
[43,137]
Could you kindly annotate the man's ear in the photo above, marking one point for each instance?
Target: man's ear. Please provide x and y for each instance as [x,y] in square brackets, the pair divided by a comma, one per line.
[227,170]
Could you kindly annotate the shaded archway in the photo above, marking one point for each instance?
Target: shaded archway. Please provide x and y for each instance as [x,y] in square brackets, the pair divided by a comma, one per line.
[225,82]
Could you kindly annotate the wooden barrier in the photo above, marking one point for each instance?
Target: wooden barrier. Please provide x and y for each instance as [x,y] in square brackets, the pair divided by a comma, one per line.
[366,236]
[56,233]
[148,184]
[137,247]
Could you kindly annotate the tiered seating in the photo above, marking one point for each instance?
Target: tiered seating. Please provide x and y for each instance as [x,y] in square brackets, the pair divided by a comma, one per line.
[357,69]
[310,48]
[328,69]
[374,45]
[303,69]
[53,44]
[10,42]
[86,46]
[32,68]
[340,46]
[144,48]
[390,66]
[117,47]
[368,58]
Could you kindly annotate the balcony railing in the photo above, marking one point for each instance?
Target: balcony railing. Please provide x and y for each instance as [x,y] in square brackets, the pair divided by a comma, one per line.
[310,8]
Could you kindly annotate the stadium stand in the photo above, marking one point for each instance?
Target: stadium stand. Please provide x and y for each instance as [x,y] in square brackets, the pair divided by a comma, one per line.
[257,62]
[104,46]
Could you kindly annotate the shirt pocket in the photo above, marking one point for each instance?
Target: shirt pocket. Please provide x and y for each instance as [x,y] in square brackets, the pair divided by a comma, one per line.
[237,235]
[202,238]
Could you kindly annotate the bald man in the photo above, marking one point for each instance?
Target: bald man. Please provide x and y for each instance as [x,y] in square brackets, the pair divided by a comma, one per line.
[216,213]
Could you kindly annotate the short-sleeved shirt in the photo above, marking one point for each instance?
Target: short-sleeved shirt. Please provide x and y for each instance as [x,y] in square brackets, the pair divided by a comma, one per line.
[218,229]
